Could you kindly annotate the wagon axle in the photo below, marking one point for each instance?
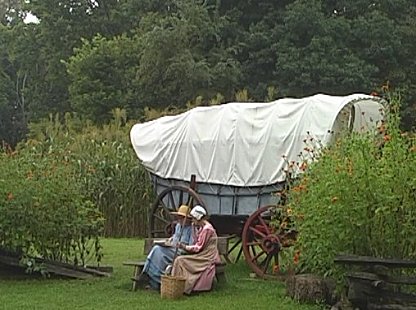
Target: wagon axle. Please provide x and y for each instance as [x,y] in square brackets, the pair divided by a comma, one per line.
[271,244]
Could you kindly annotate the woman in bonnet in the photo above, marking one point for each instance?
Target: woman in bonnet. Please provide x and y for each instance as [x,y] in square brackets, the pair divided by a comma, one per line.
[198,267]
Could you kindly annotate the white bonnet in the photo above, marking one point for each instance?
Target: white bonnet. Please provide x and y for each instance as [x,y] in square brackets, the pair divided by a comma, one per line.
[198,212]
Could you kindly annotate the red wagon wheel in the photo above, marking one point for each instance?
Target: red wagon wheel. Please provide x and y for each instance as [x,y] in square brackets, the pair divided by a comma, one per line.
[263,239]
[161,222]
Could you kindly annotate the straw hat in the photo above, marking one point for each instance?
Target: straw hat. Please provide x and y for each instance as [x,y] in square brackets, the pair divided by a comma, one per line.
[183,210]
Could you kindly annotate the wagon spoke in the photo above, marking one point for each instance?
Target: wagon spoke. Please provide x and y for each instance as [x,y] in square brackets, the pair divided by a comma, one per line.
[236,244]
[276,259]
[189,202]
[265,225]
[172,201]
[255,230]
[254,243]
[267,263]
[164,220]
[253,250]
[180,198]
[255,257]
[160,220]
[164,207]
[261,245]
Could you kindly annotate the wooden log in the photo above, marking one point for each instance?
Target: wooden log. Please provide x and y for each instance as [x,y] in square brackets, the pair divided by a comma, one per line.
[401,279]
[311,288]
[391,307]
[368,260]
[103,268]
[365,295]
[57,268]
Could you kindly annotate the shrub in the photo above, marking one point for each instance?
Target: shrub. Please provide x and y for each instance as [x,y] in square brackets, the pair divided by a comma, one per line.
[43,211]
[359,197]
[106,165]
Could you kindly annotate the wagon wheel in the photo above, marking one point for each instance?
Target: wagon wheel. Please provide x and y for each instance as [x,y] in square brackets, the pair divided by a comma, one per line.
[161,222]
[262,241]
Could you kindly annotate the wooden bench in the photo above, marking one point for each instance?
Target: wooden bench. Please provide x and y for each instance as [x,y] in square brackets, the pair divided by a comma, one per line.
[376,282]
[148,244]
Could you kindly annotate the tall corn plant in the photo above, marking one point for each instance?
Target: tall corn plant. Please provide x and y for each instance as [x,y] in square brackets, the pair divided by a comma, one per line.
[107,167]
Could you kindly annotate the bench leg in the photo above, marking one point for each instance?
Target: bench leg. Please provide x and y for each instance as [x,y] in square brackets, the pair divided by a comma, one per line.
[227,259]
[136,269]
[136,273]
[220,277]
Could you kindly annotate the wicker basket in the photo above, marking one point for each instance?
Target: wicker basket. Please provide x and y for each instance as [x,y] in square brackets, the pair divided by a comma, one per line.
[172,287]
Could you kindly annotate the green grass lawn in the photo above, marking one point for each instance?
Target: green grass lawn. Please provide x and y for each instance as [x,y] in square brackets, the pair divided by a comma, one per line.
[239,292]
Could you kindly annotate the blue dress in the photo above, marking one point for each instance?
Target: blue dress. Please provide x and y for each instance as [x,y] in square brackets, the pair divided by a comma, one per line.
[161,256]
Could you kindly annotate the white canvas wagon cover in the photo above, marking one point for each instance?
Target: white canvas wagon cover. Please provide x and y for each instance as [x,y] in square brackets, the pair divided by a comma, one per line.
[243,144]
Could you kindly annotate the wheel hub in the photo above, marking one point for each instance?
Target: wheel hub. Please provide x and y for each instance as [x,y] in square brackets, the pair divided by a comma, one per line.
[271,244]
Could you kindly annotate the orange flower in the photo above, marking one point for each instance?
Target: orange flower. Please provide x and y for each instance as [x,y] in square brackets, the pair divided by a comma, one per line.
[303,166]
[296,189]
[300,216]
[296,257]
[276,268]
[10,196]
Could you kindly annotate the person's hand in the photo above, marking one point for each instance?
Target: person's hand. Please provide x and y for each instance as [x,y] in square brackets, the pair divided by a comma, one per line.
[181,245]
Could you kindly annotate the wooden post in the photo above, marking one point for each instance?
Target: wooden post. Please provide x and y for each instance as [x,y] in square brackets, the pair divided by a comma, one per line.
[193,182]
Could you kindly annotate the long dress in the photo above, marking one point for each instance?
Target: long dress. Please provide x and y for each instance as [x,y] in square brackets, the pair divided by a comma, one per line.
[199,268]
[161,256]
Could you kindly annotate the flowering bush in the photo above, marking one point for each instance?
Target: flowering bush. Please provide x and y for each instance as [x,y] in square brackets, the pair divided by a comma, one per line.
[106,165]
[359,197]
[43,211]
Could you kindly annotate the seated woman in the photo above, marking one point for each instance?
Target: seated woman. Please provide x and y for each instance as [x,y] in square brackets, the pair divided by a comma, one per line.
[198,268]
[162,255]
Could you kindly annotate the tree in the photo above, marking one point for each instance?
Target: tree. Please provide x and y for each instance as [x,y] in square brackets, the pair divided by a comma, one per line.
[101,74]
[314,55]
[184,56]
[12,85]
[171,58]
[9,10]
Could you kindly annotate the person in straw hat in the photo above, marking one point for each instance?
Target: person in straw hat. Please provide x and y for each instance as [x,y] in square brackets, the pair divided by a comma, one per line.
[162,255]
[198,267]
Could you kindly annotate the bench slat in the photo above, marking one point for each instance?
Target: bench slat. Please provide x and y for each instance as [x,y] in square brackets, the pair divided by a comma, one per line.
[134,263]
[222,246]
[410,280]
[368,260]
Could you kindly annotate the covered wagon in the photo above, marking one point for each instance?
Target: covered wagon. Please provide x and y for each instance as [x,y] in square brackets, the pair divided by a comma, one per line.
[237,154]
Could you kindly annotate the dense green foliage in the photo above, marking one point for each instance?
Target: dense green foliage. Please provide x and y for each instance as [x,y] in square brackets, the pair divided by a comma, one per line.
[106,167]
[68,185]
[359,197]
[44,211]
[92,56]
